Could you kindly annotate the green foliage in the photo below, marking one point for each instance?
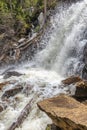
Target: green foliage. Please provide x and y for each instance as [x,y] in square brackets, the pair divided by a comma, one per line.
[3,7]
[37,28]
[21,11]
[48,127]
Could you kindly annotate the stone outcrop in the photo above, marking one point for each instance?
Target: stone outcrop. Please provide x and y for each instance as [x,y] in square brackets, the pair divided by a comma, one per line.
[81,89]
[71,80]
[80,84]
[65,112]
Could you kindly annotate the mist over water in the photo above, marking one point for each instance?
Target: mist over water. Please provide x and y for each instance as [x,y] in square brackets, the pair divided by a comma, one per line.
[61,57]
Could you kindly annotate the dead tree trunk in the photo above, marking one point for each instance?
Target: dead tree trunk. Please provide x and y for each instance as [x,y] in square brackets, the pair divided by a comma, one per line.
[45,9]
[24,113]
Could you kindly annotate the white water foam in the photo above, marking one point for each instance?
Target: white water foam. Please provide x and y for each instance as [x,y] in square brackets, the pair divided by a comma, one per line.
[61,57]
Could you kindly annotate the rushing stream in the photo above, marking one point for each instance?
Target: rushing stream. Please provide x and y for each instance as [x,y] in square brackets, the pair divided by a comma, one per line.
[41,78]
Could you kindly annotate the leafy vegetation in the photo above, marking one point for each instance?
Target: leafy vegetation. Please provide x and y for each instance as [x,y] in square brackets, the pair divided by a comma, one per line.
[20,14]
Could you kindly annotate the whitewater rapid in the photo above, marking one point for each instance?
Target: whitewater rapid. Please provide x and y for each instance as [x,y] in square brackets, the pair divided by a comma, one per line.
[61,57]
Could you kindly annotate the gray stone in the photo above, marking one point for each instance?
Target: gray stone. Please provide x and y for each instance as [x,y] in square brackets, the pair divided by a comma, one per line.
[41,19]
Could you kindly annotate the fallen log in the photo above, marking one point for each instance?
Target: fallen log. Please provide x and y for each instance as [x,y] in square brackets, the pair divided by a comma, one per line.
[65,112]
[23,115]
[27,43]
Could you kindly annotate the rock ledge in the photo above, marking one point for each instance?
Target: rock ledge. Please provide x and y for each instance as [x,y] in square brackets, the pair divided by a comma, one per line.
[65,112]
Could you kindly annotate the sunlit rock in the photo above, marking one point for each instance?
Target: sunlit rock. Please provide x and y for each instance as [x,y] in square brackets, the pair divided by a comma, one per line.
[71,80]
[65,112]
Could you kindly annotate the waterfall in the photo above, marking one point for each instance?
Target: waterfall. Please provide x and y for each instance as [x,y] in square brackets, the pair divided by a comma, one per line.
[62,57]
[65,48]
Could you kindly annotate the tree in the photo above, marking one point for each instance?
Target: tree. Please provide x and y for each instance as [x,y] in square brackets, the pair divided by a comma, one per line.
[45,9]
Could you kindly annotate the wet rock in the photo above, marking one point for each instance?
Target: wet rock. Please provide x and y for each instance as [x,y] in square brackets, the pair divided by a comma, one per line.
[84,72]
[81,89]
[27,89]
[8,69]
[65,112]
[3,84]
[85,54]
[1,107]
[52,127]
[11,92]
[71,80]
[11,73]
[85,102]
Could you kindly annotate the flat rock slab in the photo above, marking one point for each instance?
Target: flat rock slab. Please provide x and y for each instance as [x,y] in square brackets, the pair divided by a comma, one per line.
[65,112]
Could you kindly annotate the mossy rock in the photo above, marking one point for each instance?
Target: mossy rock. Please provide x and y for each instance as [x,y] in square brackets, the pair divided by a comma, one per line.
[52,127]
[48,127]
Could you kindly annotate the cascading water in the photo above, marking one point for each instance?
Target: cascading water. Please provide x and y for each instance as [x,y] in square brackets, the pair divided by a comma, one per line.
[62,57]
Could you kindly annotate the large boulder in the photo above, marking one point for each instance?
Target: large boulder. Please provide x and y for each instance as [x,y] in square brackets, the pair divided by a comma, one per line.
[80,86]
[65,112]
[81,89]
[12,92]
